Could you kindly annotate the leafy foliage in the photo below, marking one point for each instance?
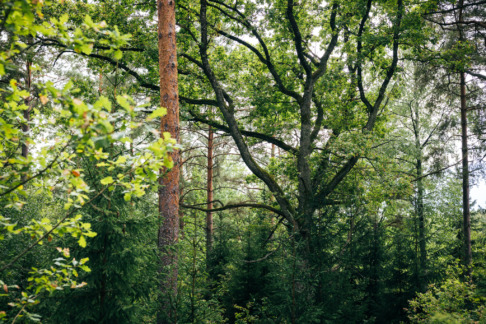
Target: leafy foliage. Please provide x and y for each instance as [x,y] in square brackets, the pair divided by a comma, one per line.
[336,192]
[453,301]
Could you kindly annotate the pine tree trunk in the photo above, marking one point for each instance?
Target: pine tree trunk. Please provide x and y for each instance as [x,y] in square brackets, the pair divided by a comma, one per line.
[466,215]
[169,183]
[209,189]
[420,201]
[421,221]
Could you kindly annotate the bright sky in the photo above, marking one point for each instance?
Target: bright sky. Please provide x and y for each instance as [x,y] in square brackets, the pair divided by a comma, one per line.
[478,193]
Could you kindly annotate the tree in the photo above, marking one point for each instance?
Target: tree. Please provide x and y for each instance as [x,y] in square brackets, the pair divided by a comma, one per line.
[463,25]
[466,212]
[169,180]
[313,173]
[69,126]
[209,192]
[312,192]
[423,112]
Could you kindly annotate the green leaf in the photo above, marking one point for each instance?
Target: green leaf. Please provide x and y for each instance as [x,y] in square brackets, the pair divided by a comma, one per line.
[118,55]
[86,48]
[82,241]
[103,102]
[121,159]
[123,102]
[85,268]
[63,20]
[107,181]
[68,86]
[88,21]
[157,113]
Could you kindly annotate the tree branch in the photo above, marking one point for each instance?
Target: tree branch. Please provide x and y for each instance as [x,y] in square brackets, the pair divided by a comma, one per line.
[297,38]
[264,58]
[230,119]
[266,138]
[239,205]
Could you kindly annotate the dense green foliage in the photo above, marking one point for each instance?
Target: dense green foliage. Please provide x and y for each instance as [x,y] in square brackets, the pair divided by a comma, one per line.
[336,173]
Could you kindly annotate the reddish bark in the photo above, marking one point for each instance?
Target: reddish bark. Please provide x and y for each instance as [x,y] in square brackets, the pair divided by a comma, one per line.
[169,183]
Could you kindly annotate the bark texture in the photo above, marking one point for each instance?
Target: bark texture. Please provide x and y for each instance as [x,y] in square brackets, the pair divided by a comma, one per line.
[169,182]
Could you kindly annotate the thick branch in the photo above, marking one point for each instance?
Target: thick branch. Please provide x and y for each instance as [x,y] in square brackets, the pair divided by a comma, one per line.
[456,8]
[341,174]
[297,38]
[264,137]
[264,58]
[239,205]
[477,75]
[330,48]
[230,119]
[338,177]
[358,63]
[391,69]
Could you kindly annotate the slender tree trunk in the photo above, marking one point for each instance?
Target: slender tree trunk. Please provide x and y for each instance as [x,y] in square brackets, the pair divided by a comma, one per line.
[374,267]
[169,183]
[294,268]
[421,221]
[466,215]
[420,201]
[209,189]
[272,199]
[194,269]
[181,194]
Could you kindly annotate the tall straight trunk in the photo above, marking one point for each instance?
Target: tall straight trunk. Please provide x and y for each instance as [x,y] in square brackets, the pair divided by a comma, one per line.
[169,182]
[466,215]
[209,189]
[420,200]
[421,222]
[181,194]
[373,288]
